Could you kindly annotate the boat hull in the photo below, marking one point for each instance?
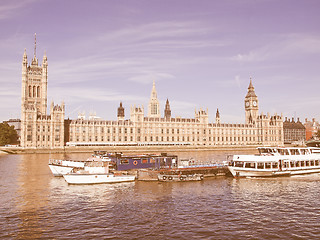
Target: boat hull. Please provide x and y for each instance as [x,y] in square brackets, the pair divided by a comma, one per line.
[241,172]
[305,171]
[58,170]
[60,167]
[75,178]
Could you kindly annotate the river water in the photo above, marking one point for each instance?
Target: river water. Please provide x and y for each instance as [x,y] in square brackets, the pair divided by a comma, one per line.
[36,205]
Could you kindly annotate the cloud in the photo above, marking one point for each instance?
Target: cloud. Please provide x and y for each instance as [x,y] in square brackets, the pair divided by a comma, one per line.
[91,94]
[157,30]
[256,55]
[282,46]
[138,53]
[149,77]
[10,8]
[303,43]
[182,108]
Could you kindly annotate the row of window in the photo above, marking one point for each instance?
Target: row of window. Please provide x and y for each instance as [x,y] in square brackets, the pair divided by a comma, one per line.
[34,91]
[162,139]
[167,130]
[43,138]
[275,165]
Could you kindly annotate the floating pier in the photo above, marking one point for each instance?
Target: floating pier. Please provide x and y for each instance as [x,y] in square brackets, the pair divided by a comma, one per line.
[205,170]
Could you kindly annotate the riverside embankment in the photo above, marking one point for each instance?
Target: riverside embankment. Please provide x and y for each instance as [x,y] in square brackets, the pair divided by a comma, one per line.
[126,149]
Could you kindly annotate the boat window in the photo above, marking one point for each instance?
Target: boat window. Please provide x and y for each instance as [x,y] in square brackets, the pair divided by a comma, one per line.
[294,151]
[264,151]
[303,151]
[307,163]
[152,160]
[250,165]
[292,164]
[238,164]
[317,163]
[283,151]
[124,161]
[274,165]
[144,160]
[302,163]
[260,165]
[312,163]
[268,165]
[297,164]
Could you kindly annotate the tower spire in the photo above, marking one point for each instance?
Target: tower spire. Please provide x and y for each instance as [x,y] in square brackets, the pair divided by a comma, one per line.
[217,117]
[153,110]
[251,92]
[35,44]
[167,110]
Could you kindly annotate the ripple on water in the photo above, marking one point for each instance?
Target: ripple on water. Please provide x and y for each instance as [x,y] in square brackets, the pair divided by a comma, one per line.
[34,205]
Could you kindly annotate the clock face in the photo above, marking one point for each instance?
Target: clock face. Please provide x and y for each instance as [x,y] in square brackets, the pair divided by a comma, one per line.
[254,103]
[247,104]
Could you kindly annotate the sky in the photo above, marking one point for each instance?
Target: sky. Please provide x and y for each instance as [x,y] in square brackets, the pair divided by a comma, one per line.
[200,53]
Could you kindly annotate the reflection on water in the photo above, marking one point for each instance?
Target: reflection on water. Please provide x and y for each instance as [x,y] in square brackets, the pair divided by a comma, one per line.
[34,204]
[32,195]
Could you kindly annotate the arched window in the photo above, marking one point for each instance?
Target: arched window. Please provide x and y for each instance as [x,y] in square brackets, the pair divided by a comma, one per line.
[30,91]
[34,91]
[38,91]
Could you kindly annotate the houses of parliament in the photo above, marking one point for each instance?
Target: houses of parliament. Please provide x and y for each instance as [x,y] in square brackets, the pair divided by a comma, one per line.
[42,129]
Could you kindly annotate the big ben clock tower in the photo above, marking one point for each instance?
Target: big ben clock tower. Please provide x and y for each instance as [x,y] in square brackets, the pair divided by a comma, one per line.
[251,105]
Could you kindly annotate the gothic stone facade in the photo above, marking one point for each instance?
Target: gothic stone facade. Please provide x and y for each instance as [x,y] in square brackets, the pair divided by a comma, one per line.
[39,130]
[42,130]
[259,129]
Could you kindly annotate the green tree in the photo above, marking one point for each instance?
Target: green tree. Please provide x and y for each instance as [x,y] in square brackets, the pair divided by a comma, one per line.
[8,135]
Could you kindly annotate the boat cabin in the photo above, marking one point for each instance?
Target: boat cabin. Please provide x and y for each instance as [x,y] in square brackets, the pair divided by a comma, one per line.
[128,162]
[283,151]
[278,159]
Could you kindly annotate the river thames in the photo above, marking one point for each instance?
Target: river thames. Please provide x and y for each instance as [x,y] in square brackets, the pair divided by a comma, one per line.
[36,205]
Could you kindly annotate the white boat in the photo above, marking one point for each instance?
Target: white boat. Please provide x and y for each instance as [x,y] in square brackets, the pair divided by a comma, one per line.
[276,161]
[91,178]
[94,173]
[60,167]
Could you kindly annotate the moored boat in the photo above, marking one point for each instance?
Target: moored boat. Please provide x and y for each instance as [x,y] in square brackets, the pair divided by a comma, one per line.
[125,162]
[60,167]
[94,173]
[91,178]
[276,161]
[120,161]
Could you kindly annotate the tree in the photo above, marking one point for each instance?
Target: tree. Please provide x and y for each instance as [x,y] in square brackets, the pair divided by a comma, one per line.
[318,134]
[8,135]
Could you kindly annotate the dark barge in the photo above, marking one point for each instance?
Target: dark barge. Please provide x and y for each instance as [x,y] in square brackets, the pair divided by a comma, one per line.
[206,171]
[124,162]
[147,167]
